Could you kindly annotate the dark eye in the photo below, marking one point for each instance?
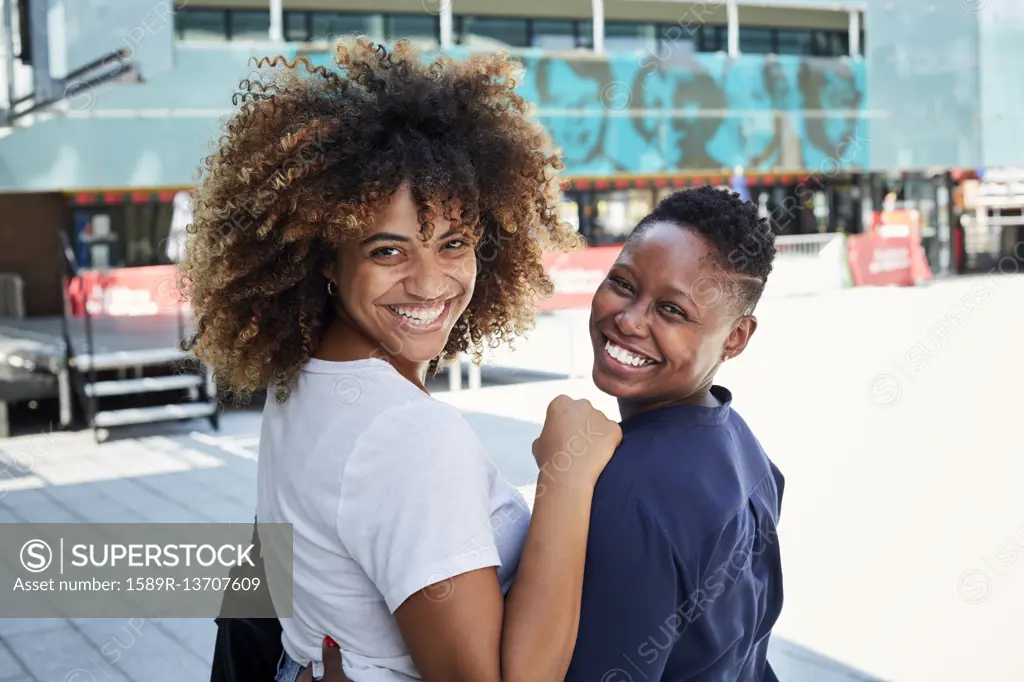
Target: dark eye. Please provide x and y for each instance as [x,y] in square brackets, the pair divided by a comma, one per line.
[384,252]
[456,244]
[620,283]
[675,310]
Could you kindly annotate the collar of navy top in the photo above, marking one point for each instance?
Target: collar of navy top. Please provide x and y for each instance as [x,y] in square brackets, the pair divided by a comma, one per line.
[683,412]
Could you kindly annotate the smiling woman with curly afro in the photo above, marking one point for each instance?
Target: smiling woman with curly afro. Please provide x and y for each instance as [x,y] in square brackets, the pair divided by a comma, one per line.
[313,159]
[356,226]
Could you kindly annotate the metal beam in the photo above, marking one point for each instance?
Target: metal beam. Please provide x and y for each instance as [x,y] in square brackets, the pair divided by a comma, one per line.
[276,21]
[827,5]
[597,10]
[455,374]
[446,24]
[854,34]
[8,19]
[733,12]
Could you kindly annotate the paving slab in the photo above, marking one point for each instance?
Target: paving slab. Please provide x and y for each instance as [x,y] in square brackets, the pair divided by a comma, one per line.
[894,415]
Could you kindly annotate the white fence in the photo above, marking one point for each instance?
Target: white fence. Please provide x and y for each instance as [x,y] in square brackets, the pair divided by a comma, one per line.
[808,264]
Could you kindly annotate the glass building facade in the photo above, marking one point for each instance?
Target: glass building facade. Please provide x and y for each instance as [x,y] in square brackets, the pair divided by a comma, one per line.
[944,83]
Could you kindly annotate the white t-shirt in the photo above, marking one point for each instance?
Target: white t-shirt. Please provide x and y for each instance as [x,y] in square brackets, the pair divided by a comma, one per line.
[388,491]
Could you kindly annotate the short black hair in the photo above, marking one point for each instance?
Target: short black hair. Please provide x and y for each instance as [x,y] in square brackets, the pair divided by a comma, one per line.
[742,241]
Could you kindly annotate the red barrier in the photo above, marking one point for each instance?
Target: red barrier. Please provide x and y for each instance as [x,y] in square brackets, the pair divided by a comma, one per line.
[152,290]
[127,291]
[577,275]
[878,259]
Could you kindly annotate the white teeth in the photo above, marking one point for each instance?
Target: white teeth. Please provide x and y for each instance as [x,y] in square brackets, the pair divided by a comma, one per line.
[623,356]
[418,316]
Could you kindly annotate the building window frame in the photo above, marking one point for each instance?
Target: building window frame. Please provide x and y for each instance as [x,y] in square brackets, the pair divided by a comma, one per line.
[708,38]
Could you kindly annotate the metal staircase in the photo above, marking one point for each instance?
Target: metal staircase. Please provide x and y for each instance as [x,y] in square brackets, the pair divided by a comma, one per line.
[120,381]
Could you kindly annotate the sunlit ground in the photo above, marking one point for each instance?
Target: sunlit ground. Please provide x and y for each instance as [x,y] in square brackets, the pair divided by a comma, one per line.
[893,414]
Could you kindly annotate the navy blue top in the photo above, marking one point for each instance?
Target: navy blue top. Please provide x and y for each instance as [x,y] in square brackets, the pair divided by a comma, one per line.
[683,580]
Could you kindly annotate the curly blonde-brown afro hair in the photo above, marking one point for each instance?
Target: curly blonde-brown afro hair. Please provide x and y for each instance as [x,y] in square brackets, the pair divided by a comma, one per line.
[312,156]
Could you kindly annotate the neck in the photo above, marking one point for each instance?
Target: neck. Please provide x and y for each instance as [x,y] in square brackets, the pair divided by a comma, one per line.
[342,342]
[702,397]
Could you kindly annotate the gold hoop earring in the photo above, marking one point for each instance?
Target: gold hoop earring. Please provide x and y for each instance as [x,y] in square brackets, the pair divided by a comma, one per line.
[332,288]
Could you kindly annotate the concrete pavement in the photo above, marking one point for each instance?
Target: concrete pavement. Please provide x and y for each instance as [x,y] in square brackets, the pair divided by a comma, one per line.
[892,413]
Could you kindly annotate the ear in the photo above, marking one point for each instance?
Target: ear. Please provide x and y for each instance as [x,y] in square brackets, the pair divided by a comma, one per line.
[328,269]
[739,337]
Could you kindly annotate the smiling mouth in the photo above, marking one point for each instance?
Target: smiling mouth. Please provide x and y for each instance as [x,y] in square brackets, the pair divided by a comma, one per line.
[421,317]
[626,358]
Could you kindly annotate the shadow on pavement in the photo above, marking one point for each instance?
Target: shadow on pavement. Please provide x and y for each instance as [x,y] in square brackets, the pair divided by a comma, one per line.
[185,473]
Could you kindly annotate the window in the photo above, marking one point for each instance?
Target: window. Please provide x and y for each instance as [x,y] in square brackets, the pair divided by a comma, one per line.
[628,37]
[677,36]
[827,44]
[585,34]
[618,213]
[140,232]
[504,32]
[794,41]
[549,34]
[569,210]
[296,26]
[841,44]
[712,39]
[664,193]
[554,35]
[754,40]
[335,25]
[201,24]
[419,28]
[249,25]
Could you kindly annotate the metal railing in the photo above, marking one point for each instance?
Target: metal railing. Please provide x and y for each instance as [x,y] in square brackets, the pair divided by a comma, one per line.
[807,264]
[12,295]
[70,272]
[803,244]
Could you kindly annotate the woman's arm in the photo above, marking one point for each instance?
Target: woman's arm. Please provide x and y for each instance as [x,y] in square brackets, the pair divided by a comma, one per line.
[542,612]
[461,630]
[455,629]
[429,547]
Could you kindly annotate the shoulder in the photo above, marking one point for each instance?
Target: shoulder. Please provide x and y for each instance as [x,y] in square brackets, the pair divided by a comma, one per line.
[421,419]
[719,466]
[420,458]
[697,480]
[422,437]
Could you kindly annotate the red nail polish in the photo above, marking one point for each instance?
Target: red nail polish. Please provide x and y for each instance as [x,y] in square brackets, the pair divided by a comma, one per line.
[330,642]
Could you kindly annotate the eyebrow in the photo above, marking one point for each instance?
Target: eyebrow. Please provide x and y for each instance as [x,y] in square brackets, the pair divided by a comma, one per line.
[672,289]
[392,237]
[684,294]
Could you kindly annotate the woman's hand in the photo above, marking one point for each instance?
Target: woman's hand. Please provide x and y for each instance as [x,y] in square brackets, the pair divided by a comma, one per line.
[542,610]
[333,671]
[576,442]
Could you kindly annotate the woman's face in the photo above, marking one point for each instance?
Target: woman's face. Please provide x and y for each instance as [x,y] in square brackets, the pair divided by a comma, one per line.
[663,320]
[578,136]
[402,294]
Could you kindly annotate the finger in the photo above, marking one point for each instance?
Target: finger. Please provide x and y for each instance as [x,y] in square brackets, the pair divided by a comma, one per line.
[559,403]
[333,671]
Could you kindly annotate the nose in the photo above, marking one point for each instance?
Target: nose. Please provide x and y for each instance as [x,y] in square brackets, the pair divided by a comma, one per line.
[428,281]
[632,321]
